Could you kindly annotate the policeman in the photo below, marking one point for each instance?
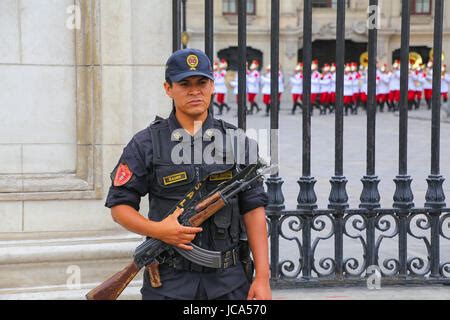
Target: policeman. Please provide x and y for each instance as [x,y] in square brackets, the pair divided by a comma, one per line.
[148,165]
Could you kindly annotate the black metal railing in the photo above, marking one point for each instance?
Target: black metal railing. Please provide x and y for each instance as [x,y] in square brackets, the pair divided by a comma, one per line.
[369,224]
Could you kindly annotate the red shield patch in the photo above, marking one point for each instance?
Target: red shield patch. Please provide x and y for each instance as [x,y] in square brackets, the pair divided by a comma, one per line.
[123,175]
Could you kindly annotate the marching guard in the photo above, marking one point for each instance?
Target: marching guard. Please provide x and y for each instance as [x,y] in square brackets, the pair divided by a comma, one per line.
[348,89]
[315,86]
[266,89]
[383,79]
[333,88]
[220,88]
[394,87]
[253,84]
[325,83]
[428,84]
[445,83]
[296,82]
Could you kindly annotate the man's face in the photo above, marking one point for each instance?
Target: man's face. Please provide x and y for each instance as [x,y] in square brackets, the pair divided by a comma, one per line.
[192,95]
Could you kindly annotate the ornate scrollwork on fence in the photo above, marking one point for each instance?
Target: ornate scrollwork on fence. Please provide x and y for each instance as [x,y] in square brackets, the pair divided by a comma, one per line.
[382,223]
[352,265]
[416,265]
[326,263]
[287,267]
[445,266]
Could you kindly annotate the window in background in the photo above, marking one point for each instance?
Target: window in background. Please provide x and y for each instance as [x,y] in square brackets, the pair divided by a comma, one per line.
[231,7]
[420,6]
[327,4]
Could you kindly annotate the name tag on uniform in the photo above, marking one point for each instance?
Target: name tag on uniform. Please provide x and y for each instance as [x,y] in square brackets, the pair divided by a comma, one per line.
[221,176]
[174,178]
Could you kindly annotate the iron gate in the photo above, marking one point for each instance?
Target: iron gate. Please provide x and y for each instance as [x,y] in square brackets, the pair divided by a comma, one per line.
[369,218]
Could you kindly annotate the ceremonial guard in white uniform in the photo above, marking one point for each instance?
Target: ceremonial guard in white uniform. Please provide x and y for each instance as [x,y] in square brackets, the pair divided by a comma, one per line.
[315,85]
[253,84]
[383,86]
[445,83]
[394,87]
[356,87]
[419,84]
[325,83]
[220,88]
[333,87]
[296,82]
[428,84]
[266,89]
[348,89]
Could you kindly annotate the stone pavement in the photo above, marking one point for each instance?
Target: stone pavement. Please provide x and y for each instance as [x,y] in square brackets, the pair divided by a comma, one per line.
[387,293]
[437,292]
[322,148]
[322,160]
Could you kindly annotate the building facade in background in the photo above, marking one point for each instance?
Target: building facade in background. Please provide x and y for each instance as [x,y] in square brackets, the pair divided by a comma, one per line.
[79,77]
[324,30]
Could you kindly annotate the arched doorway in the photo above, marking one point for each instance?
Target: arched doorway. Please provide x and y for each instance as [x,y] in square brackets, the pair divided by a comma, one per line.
[424,52]
[231,55]
[325,51]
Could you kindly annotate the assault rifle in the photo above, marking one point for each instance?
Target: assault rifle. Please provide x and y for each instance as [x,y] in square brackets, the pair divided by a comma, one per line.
[196,211]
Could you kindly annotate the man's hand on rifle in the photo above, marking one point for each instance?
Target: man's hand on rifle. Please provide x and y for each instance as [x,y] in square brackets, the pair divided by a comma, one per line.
[172,232]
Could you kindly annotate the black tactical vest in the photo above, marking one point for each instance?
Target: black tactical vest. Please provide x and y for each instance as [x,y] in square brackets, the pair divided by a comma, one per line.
[169,182]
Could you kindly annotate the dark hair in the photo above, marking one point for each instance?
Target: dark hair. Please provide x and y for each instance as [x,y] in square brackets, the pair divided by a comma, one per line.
[169,81]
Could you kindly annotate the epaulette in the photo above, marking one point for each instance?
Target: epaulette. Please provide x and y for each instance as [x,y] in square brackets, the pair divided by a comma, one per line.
[158,121]
[225,125]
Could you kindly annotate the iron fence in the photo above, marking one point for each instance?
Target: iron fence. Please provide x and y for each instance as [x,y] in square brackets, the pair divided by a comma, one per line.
[369,224]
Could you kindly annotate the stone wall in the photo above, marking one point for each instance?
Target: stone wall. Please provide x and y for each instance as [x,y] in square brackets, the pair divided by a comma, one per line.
[71,99]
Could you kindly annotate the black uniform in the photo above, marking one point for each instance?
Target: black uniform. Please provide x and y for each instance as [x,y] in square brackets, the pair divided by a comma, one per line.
[148,157]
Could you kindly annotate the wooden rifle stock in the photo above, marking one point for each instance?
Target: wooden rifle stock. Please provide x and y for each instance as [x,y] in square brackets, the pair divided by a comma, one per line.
[113,287]
[209,211]
[208,201]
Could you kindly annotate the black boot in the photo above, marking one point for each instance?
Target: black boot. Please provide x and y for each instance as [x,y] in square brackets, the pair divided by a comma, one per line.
[267,109]
[395,105]
[227,107]
[331,108]
[410,105]
[250,109]
[390,108]
[321,109]
[416,104]
[294,107]
[428,104]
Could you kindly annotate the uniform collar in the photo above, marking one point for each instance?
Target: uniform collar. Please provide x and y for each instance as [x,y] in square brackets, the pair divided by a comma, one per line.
[175,125]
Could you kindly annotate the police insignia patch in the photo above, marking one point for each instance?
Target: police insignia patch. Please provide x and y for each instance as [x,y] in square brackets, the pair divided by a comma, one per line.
[174,178]
[123,175]
[221,176]
[192,61]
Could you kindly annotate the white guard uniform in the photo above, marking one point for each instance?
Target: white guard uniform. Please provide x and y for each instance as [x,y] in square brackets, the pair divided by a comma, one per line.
[219,82]
[296,82]
[394,83]
[315,82]
[384,83]
[253,82]
[348,85]
[445,82]
[265,83]
[325,83]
